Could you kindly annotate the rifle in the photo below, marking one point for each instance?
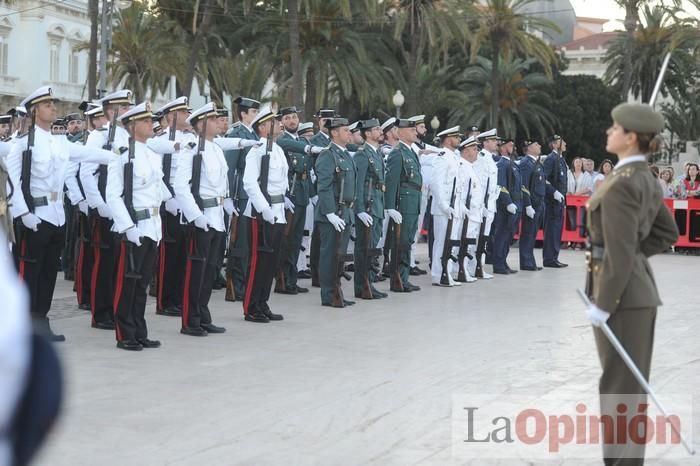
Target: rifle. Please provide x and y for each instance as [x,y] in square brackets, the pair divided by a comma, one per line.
[341,255]
[194,188]
[449,242]
[464,242]
[167,167]
[481,245]
[280,281]
[395,282]
[264,175]
[25,187]
[232,237]
[131,271]
[370,252]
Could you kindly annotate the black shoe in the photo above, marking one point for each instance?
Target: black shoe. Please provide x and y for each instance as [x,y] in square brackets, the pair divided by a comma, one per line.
[411,287]
[258,317]
[350,268]
[265,309]
[103,325]
[194,331]
[561,264]
[347,302]
[332,305]
[554,265]
[146,343]
[129,345]
[379,294]
[531,269]
[501,271]
[415,271]
[84,307]
[287,291]
[301,289]
[54,337]
[172,311]
[211,328]
[304,274]
[511,271]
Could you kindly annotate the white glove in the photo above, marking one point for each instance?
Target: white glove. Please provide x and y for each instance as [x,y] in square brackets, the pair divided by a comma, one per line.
[596,315]
[229,207]
[512,208]
[132,234]
[529,211]
[336,221]
[288,204]
[104,211]
[249,143]
[171,206]
[316,149]
[314,200]
[395,215]
[451,212]
[31,221]
[558,196]
[202,222]
[484,212]
[268,215]
[365,218]
[83,207]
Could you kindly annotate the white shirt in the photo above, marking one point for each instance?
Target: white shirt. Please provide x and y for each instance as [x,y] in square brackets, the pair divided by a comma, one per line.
[444,176]
[487,171]
[468,176]
[213,183]
[277,180]
[89,171]
[149,191]
[51,167]
[630,159]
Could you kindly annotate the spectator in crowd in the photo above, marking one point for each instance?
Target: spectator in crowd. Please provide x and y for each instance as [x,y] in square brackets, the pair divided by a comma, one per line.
[681,178]
[588,167]
[583,183]
[604,169]
[691,183]
[668,185]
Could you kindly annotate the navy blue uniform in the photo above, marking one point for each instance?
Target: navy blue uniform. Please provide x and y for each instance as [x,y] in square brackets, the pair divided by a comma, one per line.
[506,223]
[555,171]
[534,190]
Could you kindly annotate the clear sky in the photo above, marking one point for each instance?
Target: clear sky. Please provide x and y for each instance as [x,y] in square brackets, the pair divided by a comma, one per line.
[609,9]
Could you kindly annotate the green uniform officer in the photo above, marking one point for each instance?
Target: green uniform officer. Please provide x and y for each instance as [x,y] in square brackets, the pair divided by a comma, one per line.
[402,197]
[239,253]
[299,158]
[627,223]
[369,207]
[336,183]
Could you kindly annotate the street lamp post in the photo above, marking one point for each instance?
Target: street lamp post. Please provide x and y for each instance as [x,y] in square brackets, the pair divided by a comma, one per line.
[398,99]
[108,7]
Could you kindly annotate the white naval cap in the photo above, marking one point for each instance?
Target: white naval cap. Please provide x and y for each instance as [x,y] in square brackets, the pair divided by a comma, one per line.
[353,127]
[21,110]
[470,141]
[96,111]
[122,97]
[454,131]
[137,112]
[418,119]
[42,94]
[305,127]
[265,114]
[178,104]
[388,124]
[490,134]
[208,110]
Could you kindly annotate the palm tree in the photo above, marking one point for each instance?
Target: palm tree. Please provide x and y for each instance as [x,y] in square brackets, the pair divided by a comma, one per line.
[631,8]
[504,27]
[524,98]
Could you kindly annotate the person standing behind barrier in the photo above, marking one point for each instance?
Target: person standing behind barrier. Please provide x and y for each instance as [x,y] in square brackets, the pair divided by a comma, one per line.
[691,182]
[555,170]
[606,166]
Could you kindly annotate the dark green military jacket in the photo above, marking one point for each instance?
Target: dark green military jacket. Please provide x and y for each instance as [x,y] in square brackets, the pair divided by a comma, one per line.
[320,139]
[333,165]
[403,180]
[370,181]
[628,219]
[235,159]
[300,164]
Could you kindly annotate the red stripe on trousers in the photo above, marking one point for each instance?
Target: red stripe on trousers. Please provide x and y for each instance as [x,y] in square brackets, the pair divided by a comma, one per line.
[97,238]
[253,264]
[22,252]
[79,273]
[118,287]
[188,278]
[161,275]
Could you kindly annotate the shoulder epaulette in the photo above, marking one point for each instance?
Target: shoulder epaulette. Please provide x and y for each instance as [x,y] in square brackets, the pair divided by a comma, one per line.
[191,144]
[23,135]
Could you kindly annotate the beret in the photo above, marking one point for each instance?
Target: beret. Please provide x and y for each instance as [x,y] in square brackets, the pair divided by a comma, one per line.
[640,118]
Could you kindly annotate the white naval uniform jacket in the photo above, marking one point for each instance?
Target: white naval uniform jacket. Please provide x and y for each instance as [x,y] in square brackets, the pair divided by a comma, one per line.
[277,180]
[88,171]
[487,170]
[163,145]
[469,177]
[51,167]
[75,195]
[445,171]
[149,191]
[213,183]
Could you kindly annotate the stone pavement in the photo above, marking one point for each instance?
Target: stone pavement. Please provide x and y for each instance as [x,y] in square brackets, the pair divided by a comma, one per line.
[369,384]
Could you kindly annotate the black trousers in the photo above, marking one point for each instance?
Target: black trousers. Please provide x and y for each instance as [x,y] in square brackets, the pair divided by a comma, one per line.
[289,256]
[104,244]
[315,253]
[70,244]
[202,255]
[172,262]
[263,263]
[37,255]
[134,270]
[84,261]
[241,261]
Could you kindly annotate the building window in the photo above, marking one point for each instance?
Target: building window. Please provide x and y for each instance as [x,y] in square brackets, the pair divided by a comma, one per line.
[73,66]
[3,56]
[54,61]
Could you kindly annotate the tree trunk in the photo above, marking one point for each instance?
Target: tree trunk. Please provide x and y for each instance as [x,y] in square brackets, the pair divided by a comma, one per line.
[93,7]
[199,37]
[412,100]
[631,20]
[295,56]
[310,106]
[495,87]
